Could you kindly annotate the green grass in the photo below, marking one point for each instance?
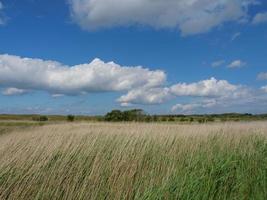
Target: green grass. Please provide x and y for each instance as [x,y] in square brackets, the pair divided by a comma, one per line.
[135,161]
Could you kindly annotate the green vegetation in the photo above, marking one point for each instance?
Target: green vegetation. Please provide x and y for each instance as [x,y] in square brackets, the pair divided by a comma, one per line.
[138,115]
[135,161]
[70,118]
[129,115]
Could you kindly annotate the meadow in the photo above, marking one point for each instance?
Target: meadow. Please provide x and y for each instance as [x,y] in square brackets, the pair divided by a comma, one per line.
[134,161]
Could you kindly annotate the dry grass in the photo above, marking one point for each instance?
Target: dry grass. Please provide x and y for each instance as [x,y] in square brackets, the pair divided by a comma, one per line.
[135,161]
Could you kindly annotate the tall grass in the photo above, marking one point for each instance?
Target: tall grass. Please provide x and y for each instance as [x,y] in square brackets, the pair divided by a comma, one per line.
[135,161]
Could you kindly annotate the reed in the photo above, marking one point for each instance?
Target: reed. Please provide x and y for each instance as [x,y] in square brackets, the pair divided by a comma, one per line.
[135,161]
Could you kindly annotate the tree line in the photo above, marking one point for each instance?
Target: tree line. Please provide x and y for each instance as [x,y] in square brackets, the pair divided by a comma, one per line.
[138,115]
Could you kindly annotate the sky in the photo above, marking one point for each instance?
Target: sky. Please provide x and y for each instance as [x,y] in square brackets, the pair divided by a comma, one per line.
[167,57]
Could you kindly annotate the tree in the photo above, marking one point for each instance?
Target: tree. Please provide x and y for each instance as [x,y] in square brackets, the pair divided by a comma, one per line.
[114,115]
[128,115]
[70,118]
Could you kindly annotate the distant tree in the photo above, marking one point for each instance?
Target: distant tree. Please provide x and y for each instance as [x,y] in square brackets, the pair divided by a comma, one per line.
[70,118]
[36,118]
[114,115]
[183,119]
[171,119]
[163,119]
[40,118]
[128,115]
[201,120]
[43,118]
[148,118]
[155,118]
[210,119]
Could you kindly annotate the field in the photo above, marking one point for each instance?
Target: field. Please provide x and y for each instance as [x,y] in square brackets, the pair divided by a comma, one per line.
[133,161]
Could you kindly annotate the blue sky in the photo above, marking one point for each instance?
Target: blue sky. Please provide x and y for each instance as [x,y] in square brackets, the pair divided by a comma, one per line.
[178,56]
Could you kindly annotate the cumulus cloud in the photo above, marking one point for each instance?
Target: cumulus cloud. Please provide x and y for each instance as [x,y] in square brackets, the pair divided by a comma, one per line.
[13,91]
[212,93]
[146,96]
[189,16]
[210,88]
[138,85]
[245,98]
[260,18]
[206,88]
[262,76]
[56,78]
[237,64]
[185,108]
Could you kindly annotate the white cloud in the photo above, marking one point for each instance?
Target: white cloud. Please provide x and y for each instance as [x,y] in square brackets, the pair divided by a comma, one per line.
[189,16]
[235,36]
[212,93]
[57,95]
[185,108]
[264,88]
[205,88]
[237,64]
[146,95]
[210,88]
[217,63]
[262,76]
[140,85]
[56,78]
[14,91]
[260,18]
[246,100]
[2,22]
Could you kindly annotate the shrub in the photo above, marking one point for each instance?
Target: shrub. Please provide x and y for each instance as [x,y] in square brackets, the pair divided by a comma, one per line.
[201,120]
[183,119]
[40,118]
[70,118]
[171,119]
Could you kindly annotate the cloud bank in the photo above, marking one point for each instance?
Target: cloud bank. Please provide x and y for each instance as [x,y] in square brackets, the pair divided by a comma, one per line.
[56,78]
[138,85]
[188,16]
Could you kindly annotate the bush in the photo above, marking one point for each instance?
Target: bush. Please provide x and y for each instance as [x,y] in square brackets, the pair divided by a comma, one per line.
[171,119]
[70,118]
[40,118]
[183,119]
[210,119]
[43,118]
[201,120]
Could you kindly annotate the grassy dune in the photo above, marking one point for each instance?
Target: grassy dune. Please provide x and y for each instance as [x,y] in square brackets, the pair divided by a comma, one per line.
[135,161]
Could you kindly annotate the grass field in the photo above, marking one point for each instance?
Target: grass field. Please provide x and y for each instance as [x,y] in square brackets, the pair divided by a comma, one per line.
[134,161]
